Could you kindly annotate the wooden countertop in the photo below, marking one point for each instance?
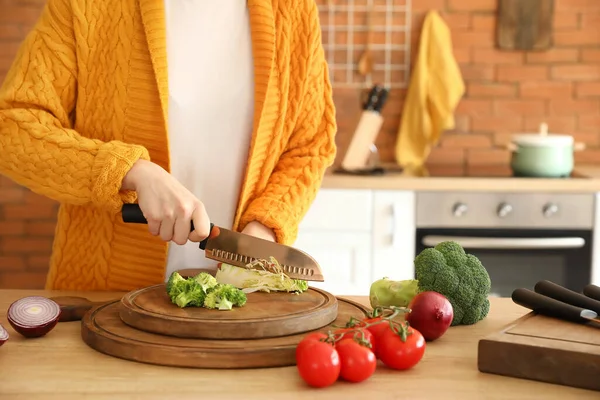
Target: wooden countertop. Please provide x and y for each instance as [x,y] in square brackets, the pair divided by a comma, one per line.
[586,180]
[61,366]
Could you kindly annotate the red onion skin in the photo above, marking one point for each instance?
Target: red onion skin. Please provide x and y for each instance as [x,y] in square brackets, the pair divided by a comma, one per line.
[4,339]
[431,314]
[33,331]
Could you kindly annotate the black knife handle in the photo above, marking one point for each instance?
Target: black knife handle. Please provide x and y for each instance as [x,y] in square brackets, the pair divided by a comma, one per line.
[592,291]
[132,214]
[565,295]
[547,306]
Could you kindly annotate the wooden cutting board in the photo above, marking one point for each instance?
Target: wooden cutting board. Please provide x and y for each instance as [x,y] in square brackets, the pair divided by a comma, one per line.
[544,349]
[525,25]
[104,331]
[264,315]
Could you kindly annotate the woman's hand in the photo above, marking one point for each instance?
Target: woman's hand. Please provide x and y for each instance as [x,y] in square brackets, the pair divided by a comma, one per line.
[166,204]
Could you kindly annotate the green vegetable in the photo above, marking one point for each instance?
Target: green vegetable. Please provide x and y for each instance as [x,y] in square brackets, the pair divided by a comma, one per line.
[206,280]
[224,297]
[459,276]
[448,270]
[270,277]
[203,290]
[386,292]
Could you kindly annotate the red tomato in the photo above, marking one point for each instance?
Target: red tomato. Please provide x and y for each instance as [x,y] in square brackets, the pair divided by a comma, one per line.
[378,328]
[311,337]
[358,362]
[398,354]
[357,334]
[318,363]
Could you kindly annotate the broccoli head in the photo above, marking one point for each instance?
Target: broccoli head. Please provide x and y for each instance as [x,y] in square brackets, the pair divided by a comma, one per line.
[174,280]
[191,294]
[206,280]
[224,296]
[460,277]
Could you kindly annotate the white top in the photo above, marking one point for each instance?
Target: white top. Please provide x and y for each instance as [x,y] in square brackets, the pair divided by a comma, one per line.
[211,107]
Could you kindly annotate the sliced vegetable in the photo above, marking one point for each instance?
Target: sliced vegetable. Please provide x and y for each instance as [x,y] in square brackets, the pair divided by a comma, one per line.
[269,277]
[224,297]
[401,347]
[431,314]
[357,361]
[203,290]
[33,316]
[4,336]
[318,363]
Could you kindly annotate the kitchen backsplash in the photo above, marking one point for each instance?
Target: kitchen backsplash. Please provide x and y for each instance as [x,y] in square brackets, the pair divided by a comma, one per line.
[507,92]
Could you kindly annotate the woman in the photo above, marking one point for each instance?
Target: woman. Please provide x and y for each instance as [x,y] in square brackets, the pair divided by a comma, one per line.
[198,110]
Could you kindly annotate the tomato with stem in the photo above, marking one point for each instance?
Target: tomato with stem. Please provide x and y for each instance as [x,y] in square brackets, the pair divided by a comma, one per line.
[401,346]
[318,363]
[357,361]
[311,337]
[361,335]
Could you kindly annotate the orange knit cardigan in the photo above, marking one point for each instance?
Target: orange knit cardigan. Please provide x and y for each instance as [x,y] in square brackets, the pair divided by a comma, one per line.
[86,97]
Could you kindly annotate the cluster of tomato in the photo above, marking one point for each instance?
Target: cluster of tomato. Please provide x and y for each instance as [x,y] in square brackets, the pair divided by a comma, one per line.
[351,353]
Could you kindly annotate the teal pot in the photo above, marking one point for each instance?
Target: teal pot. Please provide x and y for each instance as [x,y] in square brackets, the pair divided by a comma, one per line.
[543,155]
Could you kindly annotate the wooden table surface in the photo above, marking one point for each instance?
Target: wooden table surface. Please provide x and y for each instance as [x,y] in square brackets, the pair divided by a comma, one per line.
[61,366]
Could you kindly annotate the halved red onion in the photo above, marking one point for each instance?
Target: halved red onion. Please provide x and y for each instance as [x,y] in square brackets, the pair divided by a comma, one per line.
[3,335]
[33,316]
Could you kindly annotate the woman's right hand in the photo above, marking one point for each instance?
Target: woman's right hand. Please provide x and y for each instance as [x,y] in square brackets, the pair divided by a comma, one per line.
[166,204]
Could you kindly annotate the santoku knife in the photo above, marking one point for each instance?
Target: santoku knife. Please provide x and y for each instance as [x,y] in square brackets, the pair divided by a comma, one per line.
[240,249]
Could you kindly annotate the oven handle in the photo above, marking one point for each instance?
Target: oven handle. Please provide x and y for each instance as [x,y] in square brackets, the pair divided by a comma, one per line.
[507,243]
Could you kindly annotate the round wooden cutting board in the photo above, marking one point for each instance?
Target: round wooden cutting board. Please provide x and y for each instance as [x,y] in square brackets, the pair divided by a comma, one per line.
[104,331]
[264,315]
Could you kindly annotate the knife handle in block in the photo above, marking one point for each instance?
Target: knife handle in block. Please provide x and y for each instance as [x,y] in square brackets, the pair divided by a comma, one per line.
[132,214]
[548,306]
[592,291]
[565,295]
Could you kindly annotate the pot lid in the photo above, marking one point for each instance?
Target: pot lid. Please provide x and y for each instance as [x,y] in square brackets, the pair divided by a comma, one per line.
[543,138]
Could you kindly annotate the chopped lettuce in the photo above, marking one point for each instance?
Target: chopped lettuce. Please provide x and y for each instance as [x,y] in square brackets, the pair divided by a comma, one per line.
[269,277]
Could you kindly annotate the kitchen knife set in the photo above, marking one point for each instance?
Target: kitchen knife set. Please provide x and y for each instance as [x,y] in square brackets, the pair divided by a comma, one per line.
[556,301]
[239,249]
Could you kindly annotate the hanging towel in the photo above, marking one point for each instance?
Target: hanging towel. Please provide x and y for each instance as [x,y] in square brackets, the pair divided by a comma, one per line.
[434,91]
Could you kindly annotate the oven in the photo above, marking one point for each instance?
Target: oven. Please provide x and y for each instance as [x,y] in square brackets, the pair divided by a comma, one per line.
[521,238]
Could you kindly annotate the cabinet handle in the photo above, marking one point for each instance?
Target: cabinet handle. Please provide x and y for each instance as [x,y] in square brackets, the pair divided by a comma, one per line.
[396,222]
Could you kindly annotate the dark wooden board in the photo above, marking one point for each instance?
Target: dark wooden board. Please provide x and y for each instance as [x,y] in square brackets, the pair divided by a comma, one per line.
[525,25]
[544,349]
[104,331]
[264,315]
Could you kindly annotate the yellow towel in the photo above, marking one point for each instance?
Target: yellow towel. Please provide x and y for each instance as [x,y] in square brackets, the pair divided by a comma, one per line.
[435,89]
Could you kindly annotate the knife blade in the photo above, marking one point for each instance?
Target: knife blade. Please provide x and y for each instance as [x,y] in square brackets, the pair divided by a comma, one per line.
[240,249]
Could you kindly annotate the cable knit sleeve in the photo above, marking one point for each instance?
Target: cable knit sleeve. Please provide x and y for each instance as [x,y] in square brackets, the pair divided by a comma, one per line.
[38,147]
[311,149]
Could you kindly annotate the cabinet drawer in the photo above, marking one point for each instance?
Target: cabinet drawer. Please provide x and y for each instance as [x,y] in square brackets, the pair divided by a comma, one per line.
[340,209]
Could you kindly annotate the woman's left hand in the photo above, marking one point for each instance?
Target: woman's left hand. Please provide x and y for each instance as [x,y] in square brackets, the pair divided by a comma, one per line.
[258,230]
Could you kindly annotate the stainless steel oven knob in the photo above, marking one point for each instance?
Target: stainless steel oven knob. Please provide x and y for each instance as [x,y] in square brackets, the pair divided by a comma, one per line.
[504,209]
[459,209]
[549,210]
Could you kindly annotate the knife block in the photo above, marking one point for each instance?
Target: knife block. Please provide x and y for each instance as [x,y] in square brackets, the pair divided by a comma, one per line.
[362,154]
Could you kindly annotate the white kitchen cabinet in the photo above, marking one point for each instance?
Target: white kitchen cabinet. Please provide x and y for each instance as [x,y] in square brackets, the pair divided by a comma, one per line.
[393,234]
[358,236]
[345,258]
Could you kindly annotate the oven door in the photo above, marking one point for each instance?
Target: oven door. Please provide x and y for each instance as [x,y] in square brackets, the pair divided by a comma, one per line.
[516,258]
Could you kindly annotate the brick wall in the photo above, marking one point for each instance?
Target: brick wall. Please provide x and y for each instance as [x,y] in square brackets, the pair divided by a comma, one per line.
[507,92]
